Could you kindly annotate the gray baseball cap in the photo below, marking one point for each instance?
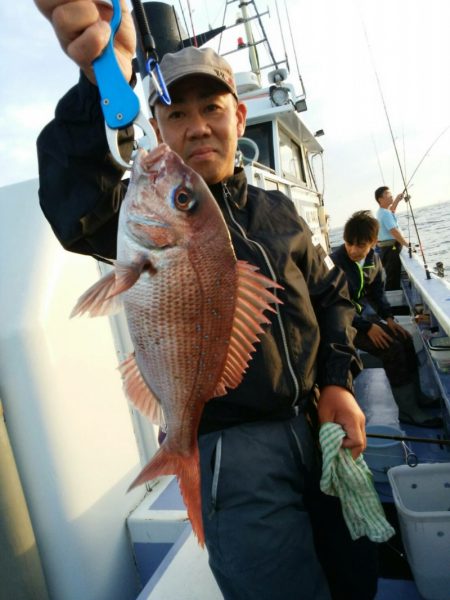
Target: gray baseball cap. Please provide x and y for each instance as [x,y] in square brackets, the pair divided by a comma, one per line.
[193,61]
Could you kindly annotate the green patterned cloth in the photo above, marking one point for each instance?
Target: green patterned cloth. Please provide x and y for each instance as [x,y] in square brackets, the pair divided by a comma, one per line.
[351,481]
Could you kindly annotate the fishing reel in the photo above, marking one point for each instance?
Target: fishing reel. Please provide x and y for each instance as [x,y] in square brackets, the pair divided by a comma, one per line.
[439,269]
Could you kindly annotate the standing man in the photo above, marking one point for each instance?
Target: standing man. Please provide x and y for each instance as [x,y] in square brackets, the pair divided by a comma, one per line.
[390,238]
[271,534]
[377,332]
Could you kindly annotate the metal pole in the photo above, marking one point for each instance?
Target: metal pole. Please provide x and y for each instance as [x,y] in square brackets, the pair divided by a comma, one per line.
[21,573]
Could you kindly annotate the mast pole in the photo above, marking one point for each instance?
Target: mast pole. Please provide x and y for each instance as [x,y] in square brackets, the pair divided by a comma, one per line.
[254,62]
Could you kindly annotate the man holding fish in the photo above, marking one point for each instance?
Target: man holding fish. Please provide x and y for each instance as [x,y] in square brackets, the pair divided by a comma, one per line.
[270,532]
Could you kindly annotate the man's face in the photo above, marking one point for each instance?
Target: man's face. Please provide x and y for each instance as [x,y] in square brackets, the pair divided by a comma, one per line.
[357,252]
[386,199]
[202,125]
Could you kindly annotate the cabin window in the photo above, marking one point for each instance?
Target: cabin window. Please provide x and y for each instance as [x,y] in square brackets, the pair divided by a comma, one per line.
[271,184]
[291,158]
[261,134]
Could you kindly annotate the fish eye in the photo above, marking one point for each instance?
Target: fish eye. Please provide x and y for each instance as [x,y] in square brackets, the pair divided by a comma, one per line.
[183,199]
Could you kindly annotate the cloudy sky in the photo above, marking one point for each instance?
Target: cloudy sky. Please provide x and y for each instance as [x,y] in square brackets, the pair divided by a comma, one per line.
[339,46]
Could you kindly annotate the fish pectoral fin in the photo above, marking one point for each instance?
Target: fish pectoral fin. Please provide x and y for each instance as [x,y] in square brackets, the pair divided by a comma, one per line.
[253,298]
[138,391]
[99,298]
[128,273]
[102,298]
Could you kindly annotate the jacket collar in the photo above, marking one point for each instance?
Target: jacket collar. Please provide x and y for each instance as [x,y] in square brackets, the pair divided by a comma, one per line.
[237,186]
[369,261]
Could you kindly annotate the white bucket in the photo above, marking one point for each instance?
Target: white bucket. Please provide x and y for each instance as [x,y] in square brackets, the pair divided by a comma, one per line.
[439,348]
[422,499]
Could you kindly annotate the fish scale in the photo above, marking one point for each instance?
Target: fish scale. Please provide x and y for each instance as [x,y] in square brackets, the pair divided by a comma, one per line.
[194,311]
[178,326]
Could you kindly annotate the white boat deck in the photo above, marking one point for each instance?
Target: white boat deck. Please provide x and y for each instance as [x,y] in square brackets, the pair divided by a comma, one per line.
[185,575]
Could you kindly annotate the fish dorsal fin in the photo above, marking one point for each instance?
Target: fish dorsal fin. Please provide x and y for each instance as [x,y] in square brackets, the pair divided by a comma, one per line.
[252,299]
[138,391]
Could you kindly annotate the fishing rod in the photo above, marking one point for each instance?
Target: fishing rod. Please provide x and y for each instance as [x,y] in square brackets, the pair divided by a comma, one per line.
[420,163]
[149,49]
[405,184]
[426,154]
[407,438]
[145,37]
[378,159]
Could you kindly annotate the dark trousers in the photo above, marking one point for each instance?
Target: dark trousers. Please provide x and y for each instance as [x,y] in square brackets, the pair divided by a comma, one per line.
[271,533]
[390,258]
[399,359]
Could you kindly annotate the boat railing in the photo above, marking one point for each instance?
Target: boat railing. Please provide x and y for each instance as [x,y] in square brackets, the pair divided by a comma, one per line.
[429,304]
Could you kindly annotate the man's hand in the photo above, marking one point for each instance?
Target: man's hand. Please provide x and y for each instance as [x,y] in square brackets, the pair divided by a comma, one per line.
[82,28]
[337,405]
[397,328]
[395,203]
[379,337]
[396,234]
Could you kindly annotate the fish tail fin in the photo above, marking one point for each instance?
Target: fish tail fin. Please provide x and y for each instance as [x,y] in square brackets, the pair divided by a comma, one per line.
[189,482]
[186,469]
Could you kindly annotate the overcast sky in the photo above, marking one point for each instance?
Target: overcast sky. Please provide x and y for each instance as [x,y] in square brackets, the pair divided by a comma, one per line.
[410,48]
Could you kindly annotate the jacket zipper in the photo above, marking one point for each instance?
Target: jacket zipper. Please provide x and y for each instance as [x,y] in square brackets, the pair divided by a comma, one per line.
[361,287]
[227,198]
[361,277]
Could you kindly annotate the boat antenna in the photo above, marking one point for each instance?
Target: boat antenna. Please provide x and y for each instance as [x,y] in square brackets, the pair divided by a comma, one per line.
[405,185]
[223,23]
[252,51]
[282,36]
[293,48]
[192,23]
[178,26]
[184,16]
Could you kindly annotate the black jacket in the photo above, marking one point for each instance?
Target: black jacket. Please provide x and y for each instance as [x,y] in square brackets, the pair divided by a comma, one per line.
[308,343]
[366,285]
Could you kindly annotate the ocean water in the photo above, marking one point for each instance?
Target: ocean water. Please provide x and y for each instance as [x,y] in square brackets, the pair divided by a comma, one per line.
[433,226]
